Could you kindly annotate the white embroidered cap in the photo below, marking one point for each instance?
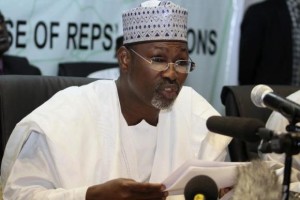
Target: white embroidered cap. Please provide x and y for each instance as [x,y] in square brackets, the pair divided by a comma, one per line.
[153,21]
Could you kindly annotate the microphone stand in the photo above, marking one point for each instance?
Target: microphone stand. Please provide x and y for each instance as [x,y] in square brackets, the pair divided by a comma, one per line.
[287,143]
[287,176]
[289,152]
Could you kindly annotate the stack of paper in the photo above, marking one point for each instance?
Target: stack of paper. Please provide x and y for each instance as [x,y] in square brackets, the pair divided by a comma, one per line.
[223,173]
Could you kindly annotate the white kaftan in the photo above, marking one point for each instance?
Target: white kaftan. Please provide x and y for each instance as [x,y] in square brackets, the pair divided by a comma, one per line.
[76,140]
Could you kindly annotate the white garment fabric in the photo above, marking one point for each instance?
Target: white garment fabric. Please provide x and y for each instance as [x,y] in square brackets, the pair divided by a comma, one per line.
[76,140]
[111,73]
[278,123]
[144,140]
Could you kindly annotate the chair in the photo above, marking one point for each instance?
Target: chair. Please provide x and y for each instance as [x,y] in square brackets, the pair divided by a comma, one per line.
[82,69]
[21,94]
[237,102]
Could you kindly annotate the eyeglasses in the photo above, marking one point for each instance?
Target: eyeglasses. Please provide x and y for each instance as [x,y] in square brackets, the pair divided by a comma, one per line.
[158,64]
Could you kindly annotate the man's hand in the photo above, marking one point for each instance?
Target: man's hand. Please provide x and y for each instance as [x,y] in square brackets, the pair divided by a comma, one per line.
[126,189]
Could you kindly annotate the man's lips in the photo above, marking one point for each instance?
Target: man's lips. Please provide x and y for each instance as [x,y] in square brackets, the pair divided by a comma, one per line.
[169,91]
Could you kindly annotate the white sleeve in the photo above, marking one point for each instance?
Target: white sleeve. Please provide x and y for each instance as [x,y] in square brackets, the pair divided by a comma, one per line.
[33,175]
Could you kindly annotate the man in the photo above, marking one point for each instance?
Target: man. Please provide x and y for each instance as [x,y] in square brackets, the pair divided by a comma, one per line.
[118,139]
[270,43]
[12,64]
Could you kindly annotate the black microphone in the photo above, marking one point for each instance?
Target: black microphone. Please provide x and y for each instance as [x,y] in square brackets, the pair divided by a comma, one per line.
[263,96]
[201,187]
[245,129]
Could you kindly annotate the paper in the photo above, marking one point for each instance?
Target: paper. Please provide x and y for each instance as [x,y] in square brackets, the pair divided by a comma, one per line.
[223,173]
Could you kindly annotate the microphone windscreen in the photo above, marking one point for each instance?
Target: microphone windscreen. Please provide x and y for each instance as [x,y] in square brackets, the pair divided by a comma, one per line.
[258,93]
[201,185]
[256,181]
[236,127]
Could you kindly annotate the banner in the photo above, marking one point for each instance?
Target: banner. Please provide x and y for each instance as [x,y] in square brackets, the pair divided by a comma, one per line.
[49,32]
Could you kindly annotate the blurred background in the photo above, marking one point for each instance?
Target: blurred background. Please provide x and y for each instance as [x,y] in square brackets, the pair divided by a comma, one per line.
[49,33]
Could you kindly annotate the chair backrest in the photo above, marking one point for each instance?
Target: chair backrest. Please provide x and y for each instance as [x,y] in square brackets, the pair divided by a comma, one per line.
[21,94]
[82,69]
[237,102]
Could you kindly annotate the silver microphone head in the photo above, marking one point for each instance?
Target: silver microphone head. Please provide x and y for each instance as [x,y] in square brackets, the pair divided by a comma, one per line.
[258,93]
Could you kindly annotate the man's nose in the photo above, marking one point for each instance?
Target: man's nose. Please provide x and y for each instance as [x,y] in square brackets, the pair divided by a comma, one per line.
[170,72]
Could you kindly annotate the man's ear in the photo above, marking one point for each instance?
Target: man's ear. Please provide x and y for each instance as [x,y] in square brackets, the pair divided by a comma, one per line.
[124,58]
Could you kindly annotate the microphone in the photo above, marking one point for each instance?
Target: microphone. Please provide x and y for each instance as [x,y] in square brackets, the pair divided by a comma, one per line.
[245,129]
[201,187]
[263,96]
[256,181]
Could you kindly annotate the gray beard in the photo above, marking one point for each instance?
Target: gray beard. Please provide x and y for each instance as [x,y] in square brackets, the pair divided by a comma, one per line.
[160,104]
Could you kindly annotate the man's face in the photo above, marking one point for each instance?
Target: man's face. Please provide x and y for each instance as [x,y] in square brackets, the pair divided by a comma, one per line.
[157,88]
[4,39]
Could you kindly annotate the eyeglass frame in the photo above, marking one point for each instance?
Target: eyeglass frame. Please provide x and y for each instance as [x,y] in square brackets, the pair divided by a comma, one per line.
[191,68]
